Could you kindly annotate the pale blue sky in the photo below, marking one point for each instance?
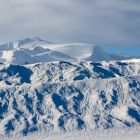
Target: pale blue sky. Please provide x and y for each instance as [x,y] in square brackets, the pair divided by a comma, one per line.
[113,24]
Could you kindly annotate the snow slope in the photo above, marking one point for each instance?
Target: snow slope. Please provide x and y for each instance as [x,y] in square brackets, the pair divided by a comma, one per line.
[109,134]
[60,97]
[34,50]
[35,55]
[59,89]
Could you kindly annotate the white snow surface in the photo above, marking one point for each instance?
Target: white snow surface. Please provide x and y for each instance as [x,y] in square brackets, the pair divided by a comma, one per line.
[34,50]
[67,91]
[63,97]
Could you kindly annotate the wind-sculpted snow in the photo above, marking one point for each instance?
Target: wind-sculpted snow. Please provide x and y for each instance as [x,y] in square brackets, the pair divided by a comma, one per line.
[69,96]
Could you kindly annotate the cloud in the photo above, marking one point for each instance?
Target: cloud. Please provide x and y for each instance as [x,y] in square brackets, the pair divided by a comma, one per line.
[104,22]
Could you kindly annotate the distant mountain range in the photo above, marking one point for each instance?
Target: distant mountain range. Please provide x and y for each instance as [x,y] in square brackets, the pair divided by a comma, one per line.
[34,50]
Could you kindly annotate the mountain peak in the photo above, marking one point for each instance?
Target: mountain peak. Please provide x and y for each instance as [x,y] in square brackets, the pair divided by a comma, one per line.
[36,38]
[31,39]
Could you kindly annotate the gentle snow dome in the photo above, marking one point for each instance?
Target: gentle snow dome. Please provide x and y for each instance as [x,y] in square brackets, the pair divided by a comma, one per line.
[106,23]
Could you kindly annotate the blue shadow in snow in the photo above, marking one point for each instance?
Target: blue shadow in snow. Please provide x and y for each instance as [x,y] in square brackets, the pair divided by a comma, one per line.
[58,101]
[121,63]
[79,77]
[114,70]
[29,103]
[134,114]
[22,71]
[9,126]
[103,73]
[39,102]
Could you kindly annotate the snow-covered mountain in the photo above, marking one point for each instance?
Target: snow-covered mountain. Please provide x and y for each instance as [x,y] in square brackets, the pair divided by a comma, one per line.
[59,88]
[34,50]
[68,96]
[26,42]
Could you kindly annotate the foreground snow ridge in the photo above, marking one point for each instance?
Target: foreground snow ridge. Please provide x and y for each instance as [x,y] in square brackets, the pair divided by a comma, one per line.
[64,97]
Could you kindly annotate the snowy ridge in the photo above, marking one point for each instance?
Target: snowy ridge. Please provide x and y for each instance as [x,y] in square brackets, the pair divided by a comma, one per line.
[34,50]
[65,88]
[64,96]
